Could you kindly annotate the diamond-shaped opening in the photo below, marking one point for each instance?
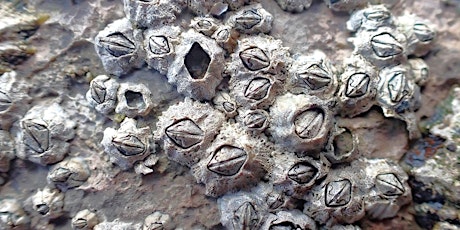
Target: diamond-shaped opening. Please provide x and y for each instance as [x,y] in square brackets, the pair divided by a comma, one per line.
[197,61]
[343,143]
[134,99]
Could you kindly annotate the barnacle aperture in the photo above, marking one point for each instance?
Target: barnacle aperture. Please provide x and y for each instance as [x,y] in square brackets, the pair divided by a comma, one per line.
[185,133]
[397,87]
[254,58]
[255,119]
[197,61]
[338,193]
[385,45]
[227,160]
[315,77]
[302,173]
[135,99]
[5,101]
[129,145]
[249,18]
[357,85]
[308,124]
[258,88]
[98,92]
[36,135]
[423,32]
[246,217]
[117,44]
[159,45]
[389,184]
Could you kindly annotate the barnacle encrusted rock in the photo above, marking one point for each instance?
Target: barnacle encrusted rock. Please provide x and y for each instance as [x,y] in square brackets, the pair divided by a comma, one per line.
[48,202]
[120,47]
[127,145]
[157,220]
[234,161]
[300,123]
[13,216]
[84,220]
[147,13]
[197,68]
[7,152]
[44,134]
[295,6]
[251,19]
[69,173]
[345,5]
[187,129]
[160,47]
[313,75]
[134,99]
[420,34]
[292,219]
[102,94]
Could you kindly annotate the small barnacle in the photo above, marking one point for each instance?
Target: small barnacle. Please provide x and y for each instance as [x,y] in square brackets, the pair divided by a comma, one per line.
[345,5]
[84,220]
[386,45]
[145,14]
[134,99]
[5,101]
[160,47]
[252,19]
[197,68]
[205,25]
[302,173]
[48,203]
[158,44]
[102,94]
[119,47]
[338,193]
[370,18]
[255,120]
[69,174]
[292,219]
[127,145]
[420,71]
[295,6]
[226,37]
[254,91]
[36,135]
[300,123]
[187,129]
[242,210]
[12,215]
[254,58]
[6,151]
[225,103]
[420,34]
[246,217]
[156,221]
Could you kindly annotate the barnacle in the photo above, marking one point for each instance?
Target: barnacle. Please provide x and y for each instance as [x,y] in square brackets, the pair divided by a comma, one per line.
[420,71]
[69,173]
[370,19]
[12,215]
[343,146]
[254,121]
[159,45]
[84,220]
[293,219]
[196,69]
[225,103]
[48,202]
[420,34]
[134,99]
[205,25]
[156,220]
[295,6]
[251,19]
[226,37]
[102,94]
[254,91]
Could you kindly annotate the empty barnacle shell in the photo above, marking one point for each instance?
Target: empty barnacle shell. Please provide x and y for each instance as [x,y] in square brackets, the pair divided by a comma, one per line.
[102,94]
[420,71]
[234,160]
[300,123]
[127,145]
[225,103]
[292,219]
[251,20]
[295,6]
[151,13]
[295,176]
[254,91]
[48,202]
[420,34]
[160,47]
[84,220]
[13,216]
[205,25]
[313,75]
[134,99]
[370,19]
[343,146]
[197,68]
[119,47]
[255,120]
[157,221]
[187,129]
[345,5]
[6,151]
[44,134]
[69,173]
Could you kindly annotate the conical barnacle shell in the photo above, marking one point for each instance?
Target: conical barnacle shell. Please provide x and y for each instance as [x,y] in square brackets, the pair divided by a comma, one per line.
[151,13]
[160,45]
[102,94]
[48,202]
[234,161]
[187,129]
[251,19]
[127,145]
[295,6]
[420,34]
[119,47]
[300,123]
[69,173]
[370,19]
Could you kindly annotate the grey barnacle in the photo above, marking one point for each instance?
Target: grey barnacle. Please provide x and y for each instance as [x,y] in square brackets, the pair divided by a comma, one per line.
[197,68]
[254,58]
[295,6]
[420,34]
[226,37]
[159,45]
[242,210]
[225,103]
[300,123]
[254,121]
[146,13]
[157,221]
[84,220]
[227,160]
[292,219]
[420,71]
[370,19]
[205,25]
[345,5]
[254,91]
[386,45]
[343,146]
[12,215]
[36,135]
[102,94]
[187,129]
[69,173]
[338,193]
[134,99]
[251,20]
[313,75]
[48,202]
[127,145]
[119,48]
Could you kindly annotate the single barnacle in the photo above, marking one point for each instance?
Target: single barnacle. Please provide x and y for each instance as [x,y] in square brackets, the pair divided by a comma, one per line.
[313,75]
[294,6]
[69,173]
[225,103]
[251,19]
[6,151]
[359,88]
[300,123]
[205,25]
[160,47]
[196,69]
[187,129]
[84,220]
[255,120]
[338,193]
[345,5]
[420,34]
[293,219]
[369,19]
[295,176]
[119,47]
[226,37]
[156,221]
[242,211]
[134,99]
[12,215]
[127,145]
[420,71]
[48,203]
[254,91]
[102,94]
[343,146]
[254,58]
[150,13]
[44,134]
[234,160]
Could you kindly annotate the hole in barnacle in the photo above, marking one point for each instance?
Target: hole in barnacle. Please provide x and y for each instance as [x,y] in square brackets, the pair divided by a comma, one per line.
[134,99]
[343,143]
[197,61]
